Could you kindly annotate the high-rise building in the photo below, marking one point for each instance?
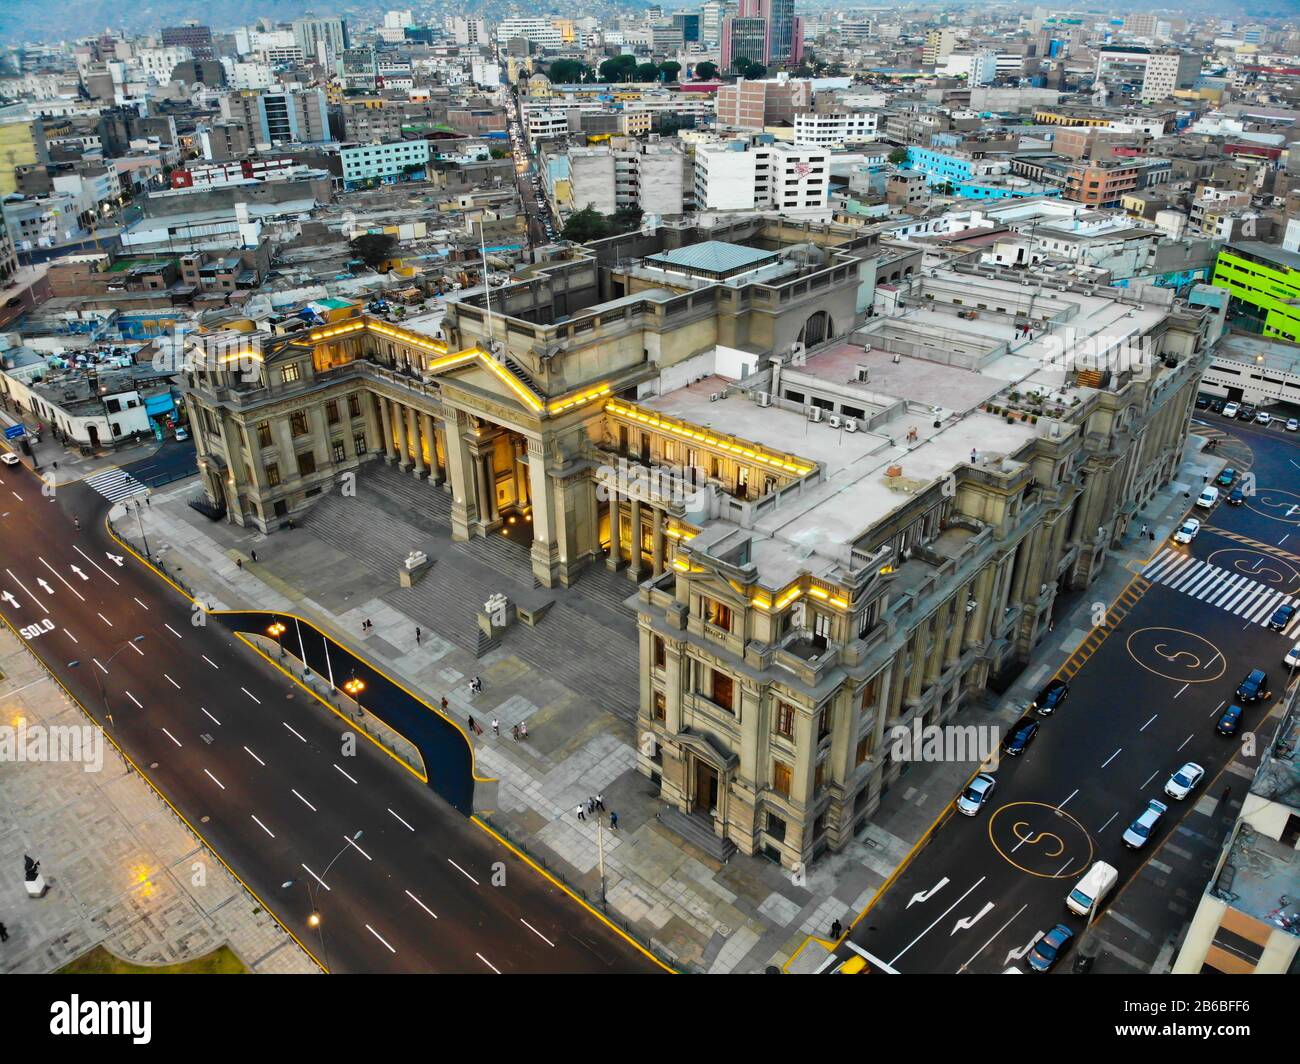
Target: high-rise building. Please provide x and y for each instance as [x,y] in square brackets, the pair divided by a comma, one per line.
[198,39]
[469,30]
[743,37]
[321,39]
[21,143]
[939,43]
[712,14]
[772,20]
[297,115]
[689,24]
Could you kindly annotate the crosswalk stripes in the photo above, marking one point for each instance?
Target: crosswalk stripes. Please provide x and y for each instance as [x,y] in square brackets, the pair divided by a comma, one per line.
[116,485]
[1236,593]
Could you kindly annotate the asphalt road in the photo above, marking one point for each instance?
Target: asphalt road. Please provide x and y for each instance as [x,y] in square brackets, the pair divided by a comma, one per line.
[265,775]
[986,887]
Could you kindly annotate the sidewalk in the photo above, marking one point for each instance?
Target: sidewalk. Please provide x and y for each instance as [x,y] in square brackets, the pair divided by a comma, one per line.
[123,871]
[740,916]
[72,464]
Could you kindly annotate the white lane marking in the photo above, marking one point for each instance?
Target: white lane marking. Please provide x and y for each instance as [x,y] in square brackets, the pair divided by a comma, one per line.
[73,637]
[104,619]
[348,840]
[136,701]
[462,871]
[141,604]
[16,495]
[209,716]
[408,826]
[303,800]
[172,630]
[213,664]
[1111,758]
[171,736]
[1067,801]
[290,727]
[93,562]
[171,681]
[136,648]
[1108,822]
[317,878]
[1182,689]
[1148,723]
[421,905]
[488,963]
[1185,741]
[214,779]
[262,826]
[993,936]
[344,773]
[543,937]
[1149,779]
[250,695]
[254,757]
[24,587]
[381,939]
[101,667]
[60,577]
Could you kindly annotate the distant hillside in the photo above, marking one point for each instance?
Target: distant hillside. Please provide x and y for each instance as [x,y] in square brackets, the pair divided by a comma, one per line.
[20,22]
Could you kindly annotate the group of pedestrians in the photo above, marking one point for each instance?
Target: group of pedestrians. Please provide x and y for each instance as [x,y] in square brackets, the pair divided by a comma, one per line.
[596,804]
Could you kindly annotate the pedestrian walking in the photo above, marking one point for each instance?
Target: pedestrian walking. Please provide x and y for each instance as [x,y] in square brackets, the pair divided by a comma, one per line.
[472,726]
[837,929]
[1144,530]
[591,806]
[253,554]
[582,815]
[417,635]
[4,933]
[514,733]
[600,802]
[444,703]
[496,727]
[1152,535]
[523,729]
[1227,792]
[613,821]
[239,563]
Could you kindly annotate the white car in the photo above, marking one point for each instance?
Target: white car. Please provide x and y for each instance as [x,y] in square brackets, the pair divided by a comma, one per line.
[1140,830]
[1263,419]
[1293,424]
[1292,657]
[1187,530]
[1207,498]
[976,794]
[1231,409]
[1184,781]
[9,458]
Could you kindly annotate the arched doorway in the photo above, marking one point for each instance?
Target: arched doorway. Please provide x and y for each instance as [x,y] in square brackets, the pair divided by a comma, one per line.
[816,329]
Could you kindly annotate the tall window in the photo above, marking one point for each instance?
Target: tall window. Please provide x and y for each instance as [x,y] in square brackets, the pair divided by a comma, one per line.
[723,690]
[298,423]
[272,474]
[264,434]
[660,652]
[782,775]
[338,451]
[359,441]
[823,723]
[660,708]
[307,462]
[785,719]
[717,614]
[870,693]
[290,373]
[354,405]
[332,412]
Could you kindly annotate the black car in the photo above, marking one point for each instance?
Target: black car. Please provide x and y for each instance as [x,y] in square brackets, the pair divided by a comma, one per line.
[1254,687]
[1246,413]
[1217,405]
[1236,497]
[1281,617]
[1202,402]
[1050,698]
[1230,721]
[1020,736]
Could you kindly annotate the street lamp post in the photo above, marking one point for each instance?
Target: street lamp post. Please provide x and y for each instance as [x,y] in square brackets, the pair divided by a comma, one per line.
[277,629]
[314,918]
[99,684]
[140,520]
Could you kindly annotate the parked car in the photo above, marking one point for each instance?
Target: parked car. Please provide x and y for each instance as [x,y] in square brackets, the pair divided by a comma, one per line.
[9,458]
[1231,410]
[1254,687]
[1187,530]
[977,792]
[1184,781]
[1140,830]
[1207,498]
[1263,418]
[182,433]
[1216,406]
[1281,617]
[1229,721]
[1227,477]
[1049,949]
[1202,402]
[1092,889]
[1293,424]
[1020,736]
[1050,698]
[1246,413]
[1292,657]
[1236,497]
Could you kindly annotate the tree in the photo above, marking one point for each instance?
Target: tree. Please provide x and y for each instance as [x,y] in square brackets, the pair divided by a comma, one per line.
[706,71]
[625,220]
[585,225]
[619,68]
[898,156]
[756,71]
[670,70]
[567,72]
[647,72]
[374,249]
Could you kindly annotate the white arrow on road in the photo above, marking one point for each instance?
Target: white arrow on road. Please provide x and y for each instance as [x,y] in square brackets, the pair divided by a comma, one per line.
[10,599]
[1019,954]
[926,895]
[116,559]
[79,573]
[44,586]
[967,922]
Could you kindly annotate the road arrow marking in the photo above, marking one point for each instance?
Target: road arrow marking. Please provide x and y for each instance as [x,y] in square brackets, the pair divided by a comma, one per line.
[44,586]
[80,573]
[967,922]
[1019,954]
[116,559]
[926,895]
[11,600]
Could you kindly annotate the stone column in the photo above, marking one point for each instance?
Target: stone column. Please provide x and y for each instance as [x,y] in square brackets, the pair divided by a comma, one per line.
[403,440]
[658,541]
[615,556]
[390,452]
[544,551]
[431,438]
[634,541]
[461,474]
[417,447]
[367,403]
[484,490]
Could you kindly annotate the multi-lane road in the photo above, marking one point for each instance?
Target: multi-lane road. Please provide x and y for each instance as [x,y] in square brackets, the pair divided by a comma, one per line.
[365,865]
[1186,631]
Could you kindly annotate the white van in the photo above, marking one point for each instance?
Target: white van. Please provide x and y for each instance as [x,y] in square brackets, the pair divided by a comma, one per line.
[1207,498]
[1092,889]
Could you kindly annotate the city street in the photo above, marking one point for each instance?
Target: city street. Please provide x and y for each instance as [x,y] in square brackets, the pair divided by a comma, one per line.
[988,886]
[367,867]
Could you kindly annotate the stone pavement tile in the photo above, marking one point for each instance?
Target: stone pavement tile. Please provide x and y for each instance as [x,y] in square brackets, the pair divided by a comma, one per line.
[166,838]
[733,951]
[167,927]
[287,959]
[252,933]
[779,910]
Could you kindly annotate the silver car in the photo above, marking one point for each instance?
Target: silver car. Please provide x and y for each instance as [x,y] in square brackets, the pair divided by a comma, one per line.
[976,794]
[1140,830]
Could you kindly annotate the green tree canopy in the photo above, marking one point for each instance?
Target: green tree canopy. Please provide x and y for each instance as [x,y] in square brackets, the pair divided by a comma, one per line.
[647,72]
[567,71]
[670,70]
[898,156]
[585,225]
[619,68]
[374,249]
[706,71]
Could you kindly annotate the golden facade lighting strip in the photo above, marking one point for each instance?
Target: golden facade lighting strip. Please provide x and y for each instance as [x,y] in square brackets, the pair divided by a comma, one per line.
[733,445]
[510,381]
[560,405]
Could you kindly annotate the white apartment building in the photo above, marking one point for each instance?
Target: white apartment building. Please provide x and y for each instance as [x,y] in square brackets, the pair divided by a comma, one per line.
[250,75]
[158,63]
[469,31]
[835,130]
[978,68]
[548,122]
[740,175]
[1159,72]
[541,31]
